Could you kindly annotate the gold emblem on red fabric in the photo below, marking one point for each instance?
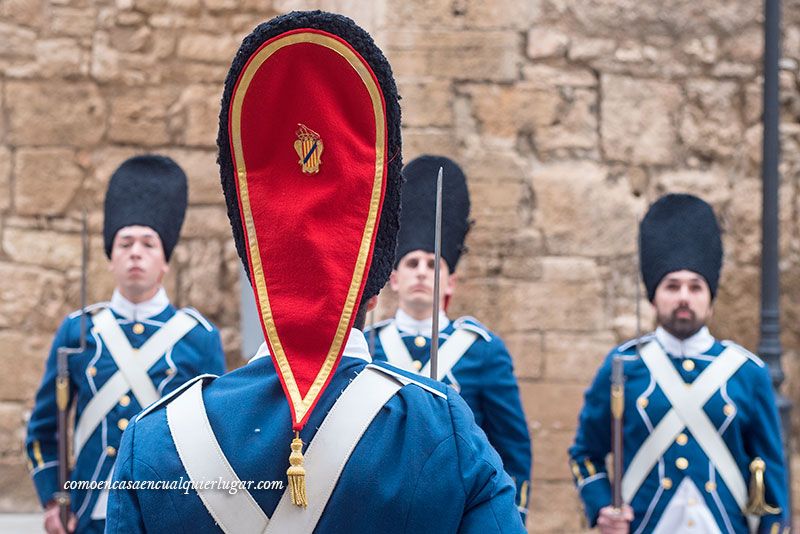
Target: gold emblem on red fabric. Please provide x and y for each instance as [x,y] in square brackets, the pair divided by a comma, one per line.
[309,149]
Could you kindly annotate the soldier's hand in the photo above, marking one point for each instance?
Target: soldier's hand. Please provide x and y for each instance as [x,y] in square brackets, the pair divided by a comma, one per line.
[52,520]
[614,520]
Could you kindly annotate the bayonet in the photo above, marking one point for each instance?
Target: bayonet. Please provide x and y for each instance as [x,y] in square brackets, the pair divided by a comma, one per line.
[437,259]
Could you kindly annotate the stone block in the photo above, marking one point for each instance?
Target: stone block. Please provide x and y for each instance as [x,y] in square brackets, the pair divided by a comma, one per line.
[24,12]
[575,357]
[565,191]
[710,125]
[16,40]
[72,21]
[207,222]
[47,180]
[637,120]
[199,281]
[418,141]
[546,305]
[584,49]
[546,43]
[207,47]
[44,113]
[195,116]
[55,58]
[501,14]
[459,55]
[427,103]
[141,116]
[30,298]
[552,407]
[526,349]
[504,111]
[550,458]
[43,248]
[5,176]
[12,422]
[24,357]
[711,185]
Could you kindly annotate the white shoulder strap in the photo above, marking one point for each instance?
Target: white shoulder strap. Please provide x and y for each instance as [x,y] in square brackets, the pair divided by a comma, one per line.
[105,325]
[331,447]
[203,459]
[452,350]
[396,351]
[324,459]
[687,412]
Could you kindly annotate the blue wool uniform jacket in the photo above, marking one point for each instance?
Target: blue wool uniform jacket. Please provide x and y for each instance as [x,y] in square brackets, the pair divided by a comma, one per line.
[421,466]
[199,351]
[484,377]
[743,412]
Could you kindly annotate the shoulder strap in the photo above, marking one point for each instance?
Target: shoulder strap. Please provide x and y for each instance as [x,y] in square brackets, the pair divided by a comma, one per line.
[452,350]
[687,412]
[118,385]
[395,349]
[324,460]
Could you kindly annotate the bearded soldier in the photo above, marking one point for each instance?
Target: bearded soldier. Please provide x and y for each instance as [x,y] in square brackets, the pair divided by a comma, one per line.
[700,424]
[354,446]
[474,360]
[138,345]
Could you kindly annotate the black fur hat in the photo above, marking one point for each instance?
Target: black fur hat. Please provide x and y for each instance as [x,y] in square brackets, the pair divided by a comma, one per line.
[418,213]
[361,41]
[680,232]
[148,190]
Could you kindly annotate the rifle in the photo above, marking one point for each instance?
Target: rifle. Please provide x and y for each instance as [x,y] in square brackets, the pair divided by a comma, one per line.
[62,497]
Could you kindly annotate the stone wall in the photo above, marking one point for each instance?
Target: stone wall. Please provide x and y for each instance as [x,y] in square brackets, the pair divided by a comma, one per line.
[568,117]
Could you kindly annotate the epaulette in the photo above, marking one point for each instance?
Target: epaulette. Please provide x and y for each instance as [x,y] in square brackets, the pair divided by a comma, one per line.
[728,343]
[380,324]
[166,399]
[91,309]
[631,343]
[197,315]
[473,325]
[405,377]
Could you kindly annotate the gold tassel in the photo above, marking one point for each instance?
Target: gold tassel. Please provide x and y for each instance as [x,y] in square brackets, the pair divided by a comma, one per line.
[758,504]
[297,473]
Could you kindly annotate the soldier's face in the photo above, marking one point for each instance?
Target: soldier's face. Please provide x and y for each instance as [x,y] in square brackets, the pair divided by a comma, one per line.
[137,262]
[683,303]
[413,283]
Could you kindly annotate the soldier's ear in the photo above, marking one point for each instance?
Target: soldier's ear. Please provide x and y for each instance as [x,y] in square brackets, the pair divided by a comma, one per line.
[393,284]
[452,282]
[372,303]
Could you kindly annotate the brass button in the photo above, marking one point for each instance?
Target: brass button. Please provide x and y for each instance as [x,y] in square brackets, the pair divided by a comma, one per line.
[124,400]
[729,410]
[688,365]
[711,487]
[666,483]
[681,463]
[691,501]
[92,371]
[690,523]
[111,451]
[682,439]
[417,365]
[138,328]
[122,424]
[420,341]
[642,402]
[170,371]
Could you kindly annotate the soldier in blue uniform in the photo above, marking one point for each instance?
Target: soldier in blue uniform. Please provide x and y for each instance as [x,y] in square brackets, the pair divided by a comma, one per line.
[702,441]
[473,360]
[139,346]
[314,213]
